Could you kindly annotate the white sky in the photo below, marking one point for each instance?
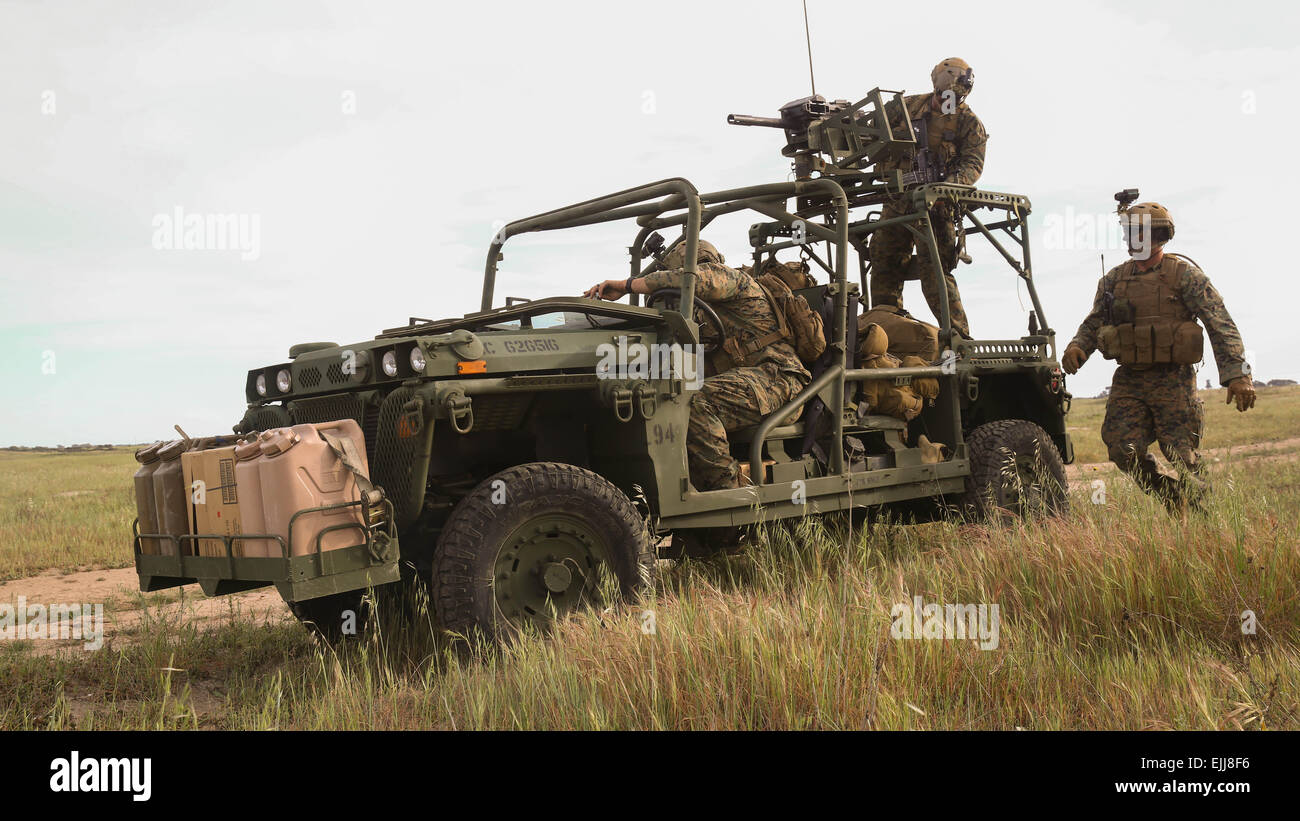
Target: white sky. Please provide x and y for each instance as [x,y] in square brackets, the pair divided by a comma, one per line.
[469,115]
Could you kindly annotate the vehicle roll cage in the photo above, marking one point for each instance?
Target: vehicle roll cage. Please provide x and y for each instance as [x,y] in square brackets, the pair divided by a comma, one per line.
[675,202]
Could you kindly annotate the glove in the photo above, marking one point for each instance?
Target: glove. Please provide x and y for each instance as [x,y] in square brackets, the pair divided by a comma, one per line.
[1073,359]
[1242,390]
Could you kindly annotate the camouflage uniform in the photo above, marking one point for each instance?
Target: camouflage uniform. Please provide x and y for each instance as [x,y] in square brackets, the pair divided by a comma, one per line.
[1158,403]
[741,397]
[959,140]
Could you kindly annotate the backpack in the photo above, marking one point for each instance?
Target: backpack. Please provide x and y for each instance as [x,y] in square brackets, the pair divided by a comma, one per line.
[795,321]
[908,336]
[884,396]
[795,316]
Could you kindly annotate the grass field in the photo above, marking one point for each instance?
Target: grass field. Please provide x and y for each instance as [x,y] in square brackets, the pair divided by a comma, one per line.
[1118,616]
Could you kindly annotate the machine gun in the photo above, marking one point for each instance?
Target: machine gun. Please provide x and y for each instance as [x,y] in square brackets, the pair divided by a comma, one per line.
[851,135]
[797,117]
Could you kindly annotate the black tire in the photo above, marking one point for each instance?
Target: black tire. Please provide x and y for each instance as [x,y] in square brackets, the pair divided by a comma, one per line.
[328,617]
[1015,470]
[533,541]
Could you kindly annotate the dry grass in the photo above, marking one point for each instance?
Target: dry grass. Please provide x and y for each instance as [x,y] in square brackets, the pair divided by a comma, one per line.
[1118,616]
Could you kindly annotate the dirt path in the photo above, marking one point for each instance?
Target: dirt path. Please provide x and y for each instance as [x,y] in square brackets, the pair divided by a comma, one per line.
[124,606]
[1277,450]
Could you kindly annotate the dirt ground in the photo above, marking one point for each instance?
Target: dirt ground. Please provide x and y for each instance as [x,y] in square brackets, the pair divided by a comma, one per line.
[1273,451]
[124,605]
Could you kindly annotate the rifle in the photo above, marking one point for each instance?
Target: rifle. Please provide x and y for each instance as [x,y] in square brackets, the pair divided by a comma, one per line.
[926,168]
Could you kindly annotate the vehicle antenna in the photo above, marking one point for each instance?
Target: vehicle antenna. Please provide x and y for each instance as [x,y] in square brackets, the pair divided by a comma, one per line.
[808,37]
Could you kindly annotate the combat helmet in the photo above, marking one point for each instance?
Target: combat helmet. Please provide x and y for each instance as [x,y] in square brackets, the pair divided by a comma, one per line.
[1148,213]
[704,252]
[953,74]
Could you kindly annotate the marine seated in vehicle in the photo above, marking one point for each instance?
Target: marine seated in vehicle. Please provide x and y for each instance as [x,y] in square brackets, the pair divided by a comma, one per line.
[758,368]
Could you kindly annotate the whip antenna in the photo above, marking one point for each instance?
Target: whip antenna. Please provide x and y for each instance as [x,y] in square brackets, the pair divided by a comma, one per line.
[808,38]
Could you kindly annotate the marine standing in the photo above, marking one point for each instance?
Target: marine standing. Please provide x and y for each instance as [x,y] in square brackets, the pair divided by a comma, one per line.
[1145,317]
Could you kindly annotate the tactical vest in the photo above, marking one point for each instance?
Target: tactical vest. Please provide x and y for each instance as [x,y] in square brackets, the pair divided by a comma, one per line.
[1147,322]
[796,323]
[941,131]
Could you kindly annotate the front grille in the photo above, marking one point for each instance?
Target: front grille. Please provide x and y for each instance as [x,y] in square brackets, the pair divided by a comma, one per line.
[400,441]
[500,411]
[309,377]
[331,409]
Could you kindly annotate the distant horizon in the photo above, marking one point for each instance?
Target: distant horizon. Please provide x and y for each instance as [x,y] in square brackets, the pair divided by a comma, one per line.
[17,448]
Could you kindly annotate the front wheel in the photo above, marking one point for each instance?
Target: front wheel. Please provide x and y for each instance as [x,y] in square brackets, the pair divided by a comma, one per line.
[533,542]
[1015,469]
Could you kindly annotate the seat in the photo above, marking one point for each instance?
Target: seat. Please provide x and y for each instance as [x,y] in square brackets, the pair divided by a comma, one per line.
[746,435]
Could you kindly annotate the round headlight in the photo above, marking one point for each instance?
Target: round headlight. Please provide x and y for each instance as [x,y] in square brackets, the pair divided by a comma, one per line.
[390,363]
[417,359]
[260,384]
[283,382]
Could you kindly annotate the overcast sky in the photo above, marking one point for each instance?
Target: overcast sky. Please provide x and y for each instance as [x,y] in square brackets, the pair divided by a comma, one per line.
[376,147]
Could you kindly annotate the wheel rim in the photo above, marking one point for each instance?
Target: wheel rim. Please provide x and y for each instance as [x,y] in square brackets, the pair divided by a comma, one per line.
[547,566]
[1025,493]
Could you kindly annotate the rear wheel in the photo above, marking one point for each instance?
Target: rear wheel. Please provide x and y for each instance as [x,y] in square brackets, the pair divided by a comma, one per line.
[1015,470]
[533,542]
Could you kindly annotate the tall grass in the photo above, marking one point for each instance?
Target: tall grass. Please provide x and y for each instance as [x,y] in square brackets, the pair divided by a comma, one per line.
[1119,616]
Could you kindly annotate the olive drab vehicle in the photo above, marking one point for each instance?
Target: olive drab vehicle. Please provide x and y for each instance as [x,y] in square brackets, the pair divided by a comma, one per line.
[514,466]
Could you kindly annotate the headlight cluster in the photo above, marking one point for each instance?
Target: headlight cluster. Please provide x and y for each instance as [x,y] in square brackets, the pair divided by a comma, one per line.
[402,361]
[270,382]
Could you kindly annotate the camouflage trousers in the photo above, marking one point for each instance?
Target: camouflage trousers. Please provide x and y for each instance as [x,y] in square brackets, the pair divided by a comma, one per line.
[892,262]
[732,400]
[1157,404]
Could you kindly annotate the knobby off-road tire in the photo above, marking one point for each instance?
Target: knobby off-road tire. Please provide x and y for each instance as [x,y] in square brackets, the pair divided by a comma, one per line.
[1015,469]
[533,542]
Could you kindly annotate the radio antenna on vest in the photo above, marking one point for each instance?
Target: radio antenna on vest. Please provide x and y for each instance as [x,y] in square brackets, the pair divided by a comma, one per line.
[808,37]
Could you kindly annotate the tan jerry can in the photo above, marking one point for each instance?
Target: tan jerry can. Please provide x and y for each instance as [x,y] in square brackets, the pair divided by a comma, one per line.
[299,470]
[146,510]
[170,498]
[252,516]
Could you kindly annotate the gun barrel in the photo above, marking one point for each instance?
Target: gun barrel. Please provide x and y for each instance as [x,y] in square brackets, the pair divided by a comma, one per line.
[745,119]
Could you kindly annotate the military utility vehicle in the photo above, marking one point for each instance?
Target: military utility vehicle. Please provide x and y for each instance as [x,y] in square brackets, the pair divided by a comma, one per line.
[519,466]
